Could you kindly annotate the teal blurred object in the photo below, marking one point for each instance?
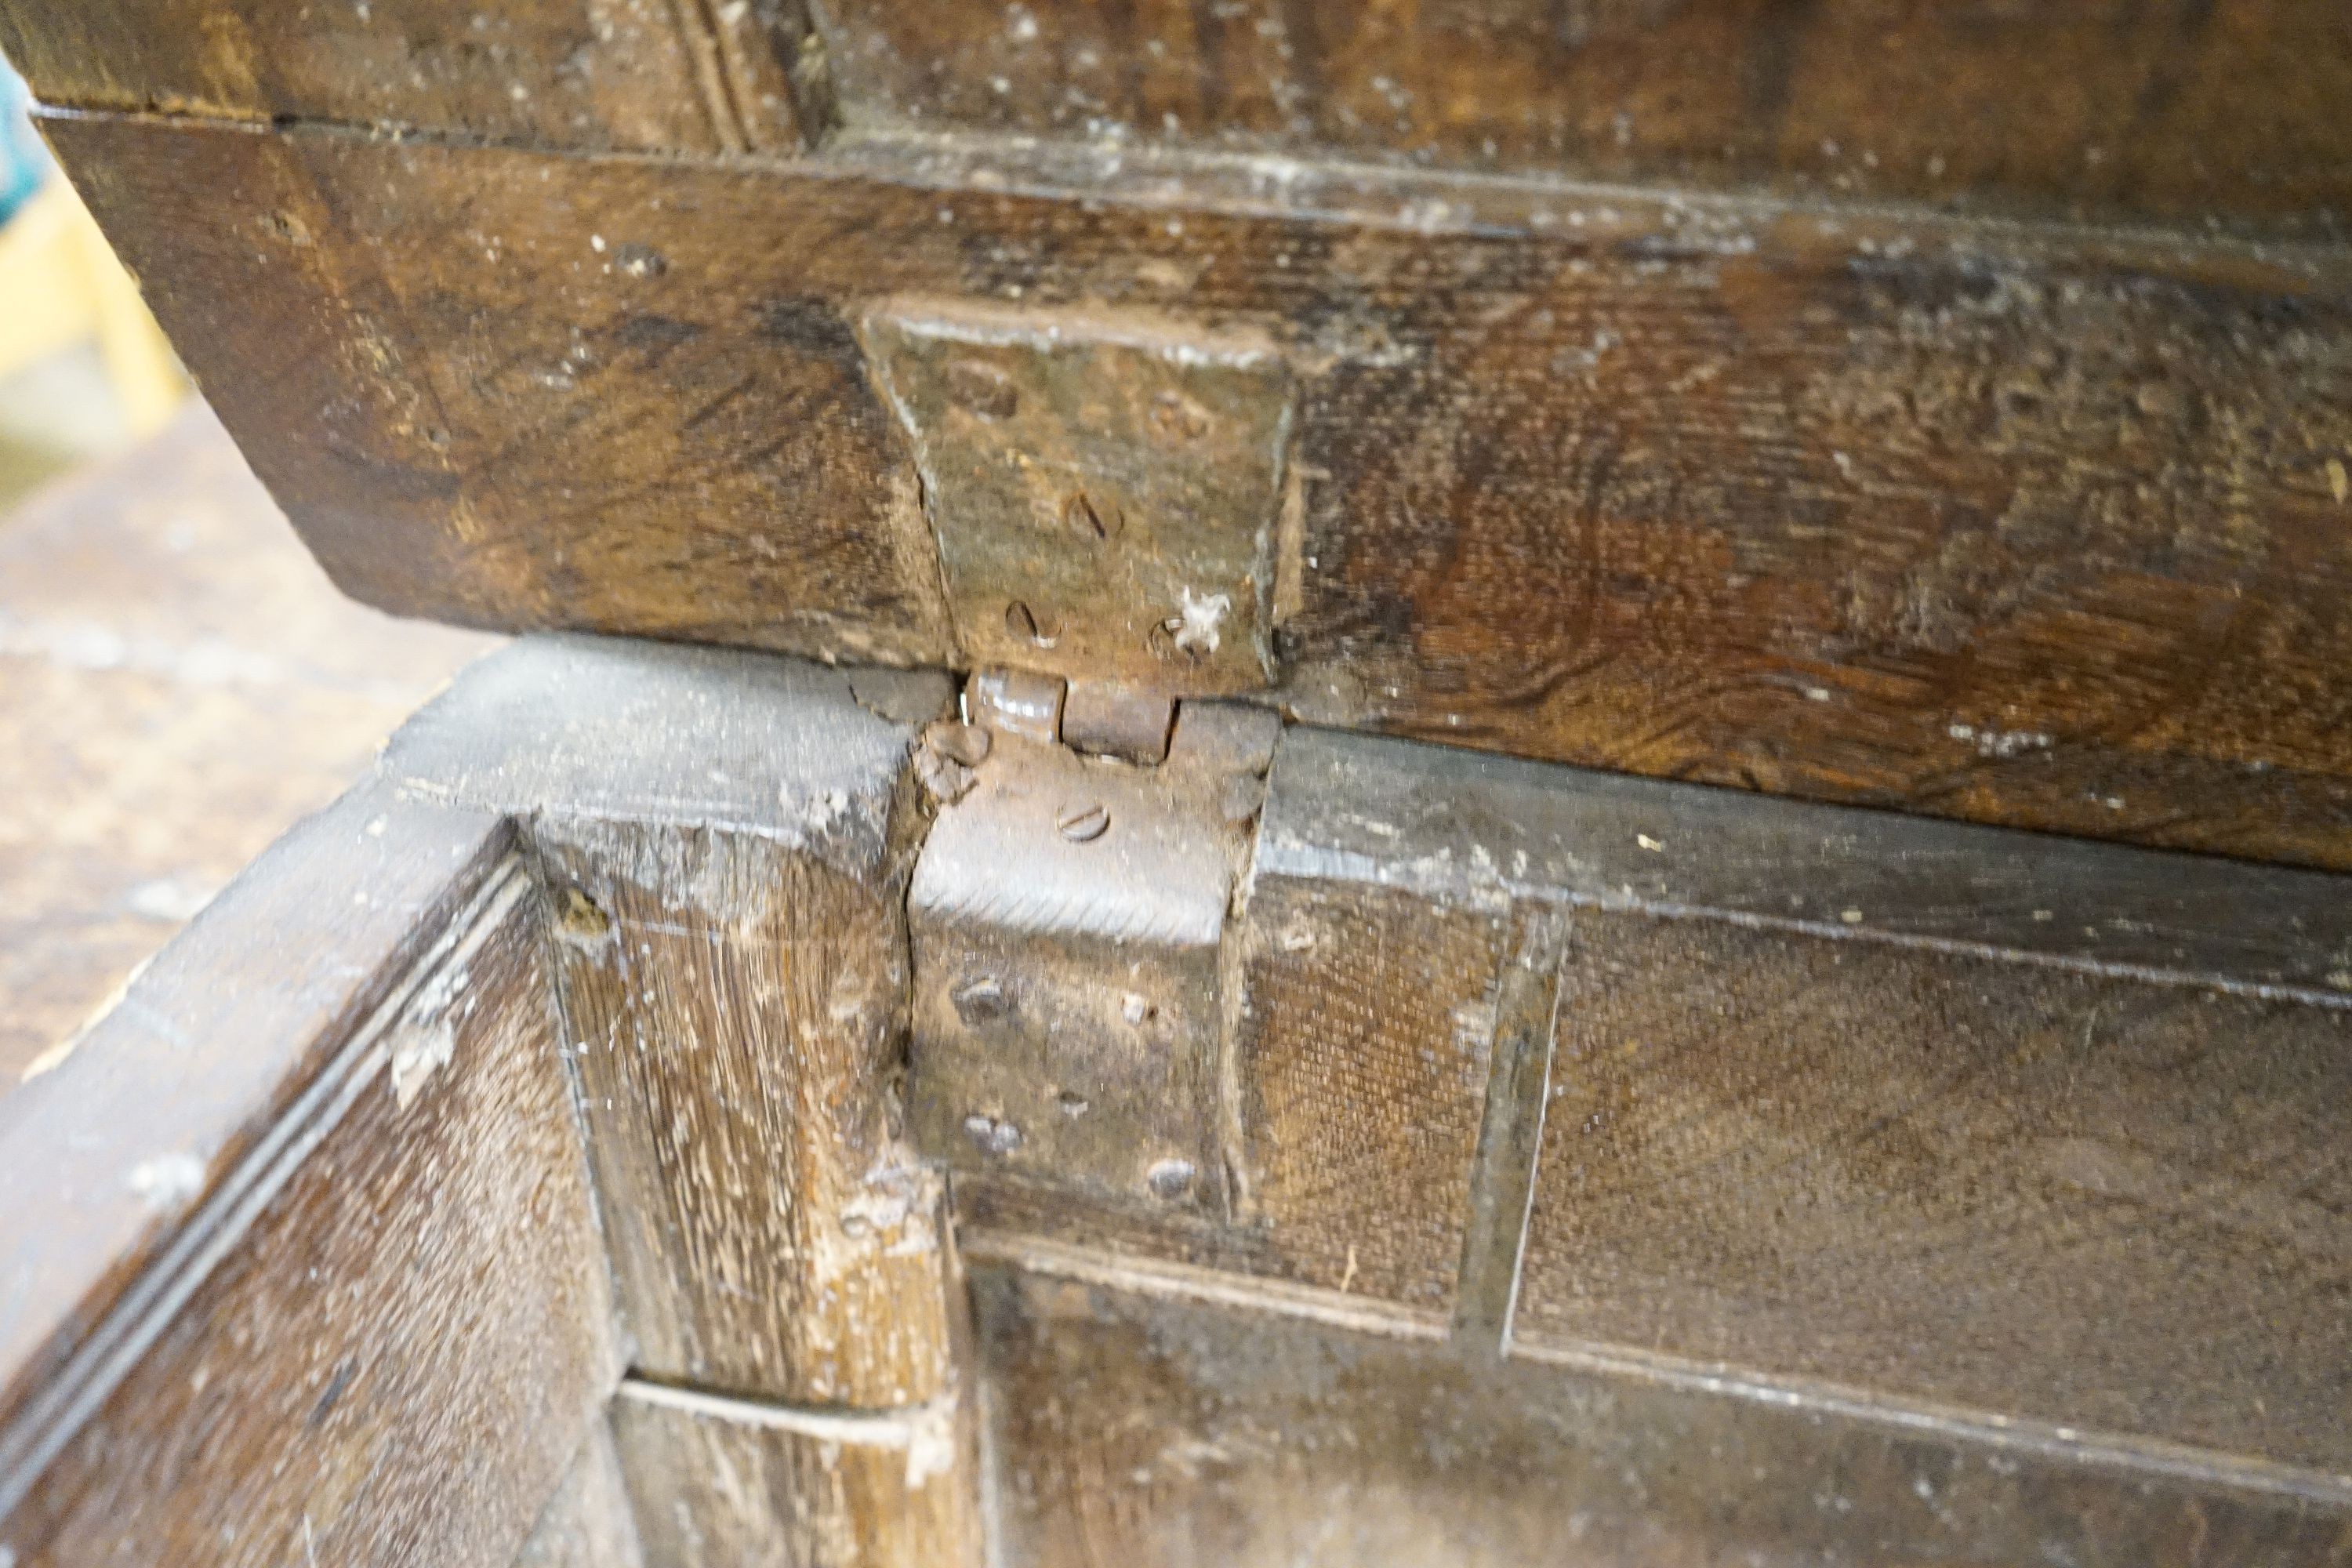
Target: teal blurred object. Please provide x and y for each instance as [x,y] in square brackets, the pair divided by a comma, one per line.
[22,162]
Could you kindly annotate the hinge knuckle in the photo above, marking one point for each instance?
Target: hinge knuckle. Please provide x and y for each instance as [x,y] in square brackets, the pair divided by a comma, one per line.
[1067,917]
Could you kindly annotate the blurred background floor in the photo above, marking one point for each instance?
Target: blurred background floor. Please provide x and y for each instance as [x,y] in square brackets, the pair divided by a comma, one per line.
[56,414]
[178,683]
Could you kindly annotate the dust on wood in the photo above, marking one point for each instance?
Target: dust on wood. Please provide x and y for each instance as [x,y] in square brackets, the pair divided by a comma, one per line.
[391,1348]
[1748,493]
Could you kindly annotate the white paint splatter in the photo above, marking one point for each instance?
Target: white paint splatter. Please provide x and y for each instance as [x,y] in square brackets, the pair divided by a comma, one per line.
[168,1181]
[931,1445]
[418,1056]
[1198,625]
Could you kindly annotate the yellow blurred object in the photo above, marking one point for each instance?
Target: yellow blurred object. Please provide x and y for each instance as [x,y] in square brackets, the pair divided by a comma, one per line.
[61,284]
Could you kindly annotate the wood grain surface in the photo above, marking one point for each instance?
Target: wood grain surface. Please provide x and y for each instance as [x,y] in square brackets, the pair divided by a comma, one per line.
[1937,1115]
[735,1015]
[1360,1067]
[641,74]
[384,1347]
[2030,526]
[1159,1431]
[2091,1201]
[2222,114]
[722,841]
[2191,113]
[210,1048]
[588,1522]
[720,1483]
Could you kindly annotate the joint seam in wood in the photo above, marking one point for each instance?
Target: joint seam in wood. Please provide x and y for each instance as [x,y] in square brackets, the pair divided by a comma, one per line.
[150,1305]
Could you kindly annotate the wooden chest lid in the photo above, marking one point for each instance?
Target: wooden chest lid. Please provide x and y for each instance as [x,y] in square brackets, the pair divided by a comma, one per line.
[1940,407]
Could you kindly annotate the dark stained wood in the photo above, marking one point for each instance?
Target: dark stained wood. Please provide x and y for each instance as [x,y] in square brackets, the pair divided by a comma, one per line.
[652,75]
[2182,113]
[105,1156]
[383,1343]
[720,1483]
[721,840]
[430,485]
[588,1522]
[2023,526]
[1162,1431]
[1935,1114]
[2095,1202]
[2175,112]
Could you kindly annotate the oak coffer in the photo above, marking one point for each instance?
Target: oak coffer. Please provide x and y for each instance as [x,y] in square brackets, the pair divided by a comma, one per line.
[1427,782]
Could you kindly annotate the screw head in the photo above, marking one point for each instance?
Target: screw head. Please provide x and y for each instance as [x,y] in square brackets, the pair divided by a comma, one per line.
[1170,1179]
[1165,639]
[1029,627]
[982,1002]
[993,1135]
[1083,822]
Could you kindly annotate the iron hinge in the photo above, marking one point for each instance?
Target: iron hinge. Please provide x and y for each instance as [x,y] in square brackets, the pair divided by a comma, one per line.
[1067,916]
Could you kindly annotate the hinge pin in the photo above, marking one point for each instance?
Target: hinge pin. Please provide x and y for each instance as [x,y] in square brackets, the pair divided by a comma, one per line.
[1083,824]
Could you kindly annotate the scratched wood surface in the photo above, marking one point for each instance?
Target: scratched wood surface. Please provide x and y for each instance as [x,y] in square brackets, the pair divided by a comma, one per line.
[2029,526]
[724,863]
[378,1336]
[165,1097]
[723,841]
[733,1012]
[1937,1114]
[2188,113]
[638,74]
[719,1483]
[1360,1067]
[1162,1429]
[2093,1201]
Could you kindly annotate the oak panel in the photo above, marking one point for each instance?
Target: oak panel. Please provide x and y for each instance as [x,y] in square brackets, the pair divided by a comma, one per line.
[2183,112]
[642,74]
[2061,1196]
[1168,1433]
[2032,527]
[1932,1113]
[492,462]
[387,1348]
[734,1014]
[723,842]
[1366,1028]
[160,1103]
